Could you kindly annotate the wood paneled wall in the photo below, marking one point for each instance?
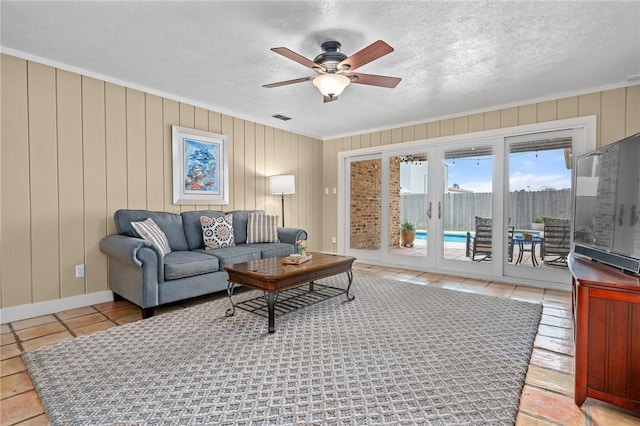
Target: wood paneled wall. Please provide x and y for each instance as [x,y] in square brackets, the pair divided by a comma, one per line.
[75,149]
[617,111]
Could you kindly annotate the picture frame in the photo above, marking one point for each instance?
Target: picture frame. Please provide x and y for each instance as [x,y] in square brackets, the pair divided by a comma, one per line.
[200,167]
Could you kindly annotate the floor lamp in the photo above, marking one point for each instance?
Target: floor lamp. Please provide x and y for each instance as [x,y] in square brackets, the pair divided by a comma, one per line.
[282,185]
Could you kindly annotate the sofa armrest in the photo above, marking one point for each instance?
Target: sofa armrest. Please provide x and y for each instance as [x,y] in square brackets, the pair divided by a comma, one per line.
[132,251]
[291,235]
[123,248]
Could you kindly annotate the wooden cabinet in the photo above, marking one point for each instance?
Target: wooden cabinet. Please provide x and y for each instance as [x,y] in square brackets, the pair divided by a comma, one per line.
[606,310]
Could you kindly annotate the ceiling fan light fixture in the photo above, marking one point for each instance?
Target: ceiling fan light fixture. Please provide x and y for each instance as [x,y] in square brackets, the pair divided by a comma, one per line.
[331,85]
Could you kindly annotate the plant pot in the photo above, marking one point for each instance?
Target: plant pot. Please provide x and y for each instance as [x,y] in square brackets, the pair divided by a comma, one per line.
[407,237]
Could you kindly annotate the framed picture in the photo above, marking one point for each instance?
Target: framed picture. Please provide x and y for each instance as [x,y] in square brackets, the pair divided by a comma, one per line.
[200,169]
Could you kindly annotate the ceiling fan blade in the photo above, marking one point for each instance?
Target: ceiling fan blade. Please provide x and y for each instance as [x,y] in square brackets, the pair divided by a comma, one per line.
[284,83]
[370,53]
[330,99]
[290,54]
[374,80]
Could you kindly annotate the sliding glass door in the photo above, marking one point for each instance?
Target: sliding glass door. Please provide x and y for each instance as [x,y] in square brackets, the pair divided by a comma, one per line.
[441,192]
[538,197]
[468,203]
[408,211]
[494,207]
[428,208]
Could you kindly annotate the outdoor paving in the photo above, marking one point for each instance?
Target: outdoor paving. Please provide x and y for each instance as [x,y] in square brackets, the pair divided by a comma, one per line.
[455,251]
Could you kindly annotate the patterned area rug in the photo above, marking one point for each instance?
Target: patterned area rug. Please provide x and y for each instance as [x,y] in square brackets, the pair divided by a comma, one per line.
[398,354]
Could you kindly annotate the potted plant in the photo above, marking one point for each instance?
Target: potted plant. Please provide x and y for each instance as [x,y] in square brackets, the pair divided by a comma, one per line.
[407,233]
[537,223]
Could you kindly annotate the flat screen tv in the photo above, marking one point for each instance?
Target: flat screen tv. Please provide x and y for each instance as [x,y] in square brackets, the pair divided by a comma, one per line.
[606,214]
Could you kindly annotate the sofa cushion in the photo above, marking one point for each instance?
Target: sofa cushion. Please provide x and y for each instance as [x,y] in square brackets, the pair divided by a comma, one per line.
[180,264]
[262,228]
[192,227]
[272,249]
[218,232]
[148,230]
[231,255]
[240,220]
[170,223]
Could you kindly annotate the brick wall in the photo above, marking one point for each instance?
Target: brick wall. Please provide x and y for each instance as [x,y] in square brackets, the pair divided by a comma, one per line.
[394,202]
[366,208]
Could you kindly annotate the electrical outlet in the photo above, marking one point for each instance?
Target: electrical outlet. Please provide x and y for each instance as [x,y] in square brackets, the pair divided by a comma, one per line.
[79,271]
[335,191]
[326,191]
[333,240]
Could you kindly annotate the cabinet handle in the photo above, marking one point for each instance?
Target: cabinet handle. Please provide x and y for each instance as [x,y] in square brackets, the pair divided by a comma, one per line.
[634,215]
[439,210]
[429,210]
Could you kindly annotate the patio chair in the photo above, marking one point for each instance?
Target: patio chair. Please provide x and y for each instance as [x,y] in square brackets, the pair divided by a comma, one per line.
[480,243]
[556,242]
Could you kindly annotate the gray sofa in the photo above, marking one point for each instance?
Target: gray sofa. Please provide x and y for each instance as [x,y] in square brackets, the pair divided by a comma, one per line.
[139,273]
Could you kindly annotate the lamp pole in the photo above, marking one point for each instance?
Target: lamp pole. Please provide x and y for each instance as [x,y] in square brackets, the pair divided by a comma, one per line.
[283,185]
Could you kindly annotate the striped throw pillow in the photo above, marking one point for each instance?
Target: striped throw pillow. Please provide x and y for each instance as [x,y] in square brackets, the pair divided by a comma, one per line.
[217,232]
[262,228]
[149,230]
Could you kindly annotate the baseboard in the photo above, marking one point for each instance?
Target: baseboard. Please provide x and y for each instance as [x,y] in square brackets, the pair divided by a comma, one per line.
[31,310]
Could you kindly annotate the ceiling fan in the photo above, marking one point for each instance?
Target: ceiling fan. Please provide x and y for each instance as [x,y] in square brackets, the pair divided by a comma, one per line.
[336,71]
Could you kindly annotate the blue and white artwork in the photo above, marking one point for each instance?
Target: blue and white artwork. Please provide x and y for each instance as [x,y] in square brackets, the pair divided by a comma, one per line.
[201,167]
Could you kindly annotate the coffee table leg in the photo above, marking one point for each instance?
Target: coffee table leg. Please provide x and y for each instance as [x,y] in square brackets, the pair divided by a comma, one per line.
[350,277]
[311,286]
[232,310]
[271,302]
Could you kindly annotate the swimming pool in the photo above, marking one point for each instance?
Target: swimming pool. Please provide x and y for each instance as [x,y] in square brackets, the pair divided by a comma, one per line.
[449,237]
[461,237]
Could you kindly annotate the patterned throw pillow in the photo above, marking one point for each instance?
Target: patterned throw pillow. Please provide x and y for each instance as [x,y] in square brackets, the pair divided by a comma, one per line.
[149,230]
[218,232]
[262,228]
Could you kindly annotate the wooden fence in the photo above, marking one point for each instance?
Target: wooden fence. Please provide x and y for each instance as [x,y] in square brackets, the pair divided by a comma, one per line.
[461,208]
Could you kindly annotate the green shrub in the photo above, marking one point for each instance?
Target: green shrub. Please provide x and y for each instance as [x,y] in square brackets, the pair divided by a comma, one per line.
[407,226]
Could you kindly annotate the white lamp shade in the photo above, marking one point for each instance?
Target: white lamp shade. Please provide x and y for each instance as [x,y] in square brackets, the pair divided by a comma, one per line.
[282,184]
[331,84]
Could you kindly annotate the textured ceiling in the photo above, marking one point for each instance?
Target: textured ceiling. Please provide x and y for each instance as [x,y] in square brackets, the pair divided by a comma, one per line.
[452,57]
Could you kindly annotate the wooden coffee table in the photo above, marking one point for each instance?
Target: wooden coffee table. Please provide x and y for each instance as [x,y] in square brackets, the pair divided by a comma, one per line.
[271,276]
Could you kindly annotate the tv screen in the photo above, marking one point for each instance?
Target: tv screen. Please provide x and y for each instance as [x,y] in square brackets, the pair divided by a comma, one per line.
[606,216]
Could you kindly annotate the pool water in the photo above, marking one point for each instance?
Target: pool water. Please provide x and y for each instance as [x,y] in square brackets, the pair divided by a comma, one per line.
[449,237]
[459,237]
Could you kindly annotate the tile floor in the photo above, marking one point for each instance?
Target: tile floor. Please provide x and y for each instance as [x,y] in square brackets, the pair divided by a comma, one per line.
[547,397]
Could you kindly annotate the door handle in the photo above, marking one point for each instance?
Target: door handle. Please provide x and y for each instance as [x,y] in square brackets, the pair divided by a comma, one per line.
[439,210]
[429,210]
[621,217]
